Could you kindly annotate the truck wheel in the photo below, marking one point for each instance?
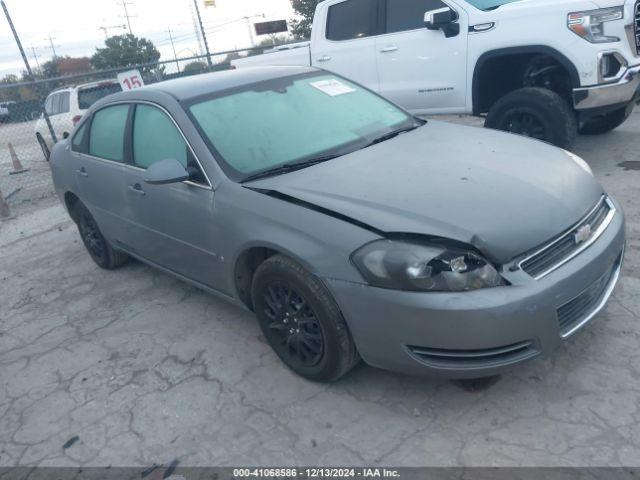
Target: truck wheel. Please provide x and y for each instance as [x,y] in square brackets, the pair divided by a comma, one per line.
[605,123]
[301,321]
[537,113]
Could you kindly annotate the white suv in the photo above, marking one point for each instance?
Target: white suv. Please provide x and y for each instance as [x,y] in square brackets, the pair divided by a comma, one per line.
[65,108]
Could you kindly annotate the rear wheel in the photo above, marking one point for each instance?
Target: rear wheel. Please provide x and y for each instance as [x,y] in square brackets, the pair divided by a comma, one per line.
[537,113]
[301,321]
[99,249]
[605,123]
[44,148]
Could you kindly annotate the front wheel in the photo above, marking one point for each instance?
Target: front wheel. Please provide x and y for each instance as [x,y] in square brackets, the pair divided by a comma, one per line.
[301,321]
[605,123]
[535,112]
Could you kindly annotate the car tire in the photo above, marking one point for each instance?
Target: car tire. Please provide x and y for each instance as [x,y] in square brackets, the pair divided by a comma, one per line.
[605,123]
[43,146]
[103,254]
[301,321]
[535,112]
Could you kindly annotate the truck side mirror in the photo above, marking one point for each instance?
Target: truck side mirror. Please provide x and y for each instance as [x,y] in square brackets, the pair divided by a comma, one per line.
[442,19]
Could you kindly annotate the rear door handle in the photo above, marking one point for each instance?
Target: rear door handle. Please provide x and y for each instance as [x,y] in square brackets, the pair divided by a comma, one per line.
[82,172]
[389,48]
[324,58]
[137,188]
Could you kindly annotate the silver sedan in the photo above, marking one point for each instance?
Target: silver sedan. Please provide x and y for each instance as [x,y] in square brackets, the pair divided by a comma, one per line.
[352,229]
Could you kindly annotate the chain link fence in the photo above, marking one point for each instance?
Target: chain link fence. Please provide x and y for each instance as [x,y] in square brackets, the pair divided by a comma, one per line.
[26,137]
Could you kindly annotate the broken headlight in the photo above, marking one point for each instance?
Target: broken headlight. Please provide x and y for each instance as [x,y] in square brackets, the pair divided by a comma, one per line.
[403,265]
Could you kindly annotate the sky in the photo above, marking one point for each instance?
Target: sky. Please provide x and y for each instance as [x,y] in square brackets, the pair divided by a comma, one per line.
[74,26]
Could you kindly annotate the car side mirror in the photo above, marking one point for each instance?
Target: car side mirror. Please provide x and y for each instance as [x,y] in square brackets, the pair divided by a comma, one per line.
[65,135]
[442,19]
[165,172]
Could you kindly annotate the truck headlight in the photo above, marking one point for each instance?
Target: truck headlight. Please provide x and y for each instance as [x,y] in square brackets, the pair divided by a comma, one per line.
[590,24]
[413,266]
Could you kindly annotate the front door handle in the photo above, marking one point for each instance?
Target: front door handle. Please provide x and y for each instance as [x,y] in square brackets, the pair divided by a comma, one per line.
[389,48]
[82,172]
[324,58]
[137,188]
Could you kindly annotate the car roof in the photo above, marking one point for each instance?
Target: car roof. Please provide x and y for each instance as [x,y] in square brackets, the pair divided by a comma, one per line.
[191,87]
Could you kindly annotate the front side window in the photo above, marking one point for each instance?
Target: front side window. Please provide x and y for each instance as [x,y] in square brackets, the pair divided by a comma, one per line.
[292,119]
[106,137]
[155,138]
[409,14]
[352,19]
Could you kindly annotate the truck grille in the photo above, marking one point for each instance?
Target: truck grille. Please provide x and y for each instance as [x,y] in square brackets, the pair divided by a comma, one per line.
[571,243]
[636,22]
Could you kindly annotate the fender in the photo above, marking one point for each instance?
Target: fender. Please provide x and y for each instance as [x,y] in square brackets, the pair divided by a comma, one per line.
[529,49]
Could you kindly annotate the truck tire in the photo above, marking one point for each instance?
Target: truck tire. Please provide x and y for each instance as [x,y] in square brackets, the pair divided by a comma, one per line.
[605,123]
[535,112]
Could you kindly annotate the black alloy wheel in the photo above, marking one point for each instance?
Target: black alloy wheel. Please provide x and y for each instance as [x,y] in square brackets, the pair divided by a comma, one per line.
[295,331]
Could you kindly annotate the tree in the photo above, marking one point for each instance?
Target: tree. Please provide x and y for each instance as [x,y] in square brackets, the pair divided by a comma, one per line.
[7,94]
[123,51]
[193,68]
[301,27]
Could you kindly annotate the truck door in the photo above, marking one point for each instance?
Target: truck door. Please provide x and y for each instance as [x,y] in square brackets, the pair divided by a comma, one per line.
[421,69]
[347,44]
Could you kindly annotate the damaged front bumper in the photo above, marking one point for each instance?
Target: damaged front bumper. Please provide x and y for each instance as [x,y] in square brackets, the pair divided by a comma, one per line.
[480,333]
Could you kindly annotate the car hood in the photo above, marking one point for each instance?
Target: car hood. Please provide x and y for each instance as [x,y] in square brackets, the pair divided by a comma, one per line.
[501,193]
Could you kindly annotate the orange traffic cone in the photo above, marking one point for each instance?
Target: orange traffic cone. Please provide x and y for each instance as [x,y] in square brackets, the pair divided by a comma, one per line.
[5,211]
[17,165]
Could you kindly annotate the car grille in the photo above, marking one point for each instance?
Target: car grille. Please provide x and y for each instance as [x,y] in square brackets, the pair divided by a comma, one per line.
[575,313]
[442,358]
[569,244]
[636,22]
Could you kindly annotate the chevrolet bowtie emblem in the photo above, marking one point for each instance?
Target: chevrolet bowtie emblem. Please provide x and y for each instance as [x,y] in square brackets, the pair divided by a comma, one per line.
[582,234]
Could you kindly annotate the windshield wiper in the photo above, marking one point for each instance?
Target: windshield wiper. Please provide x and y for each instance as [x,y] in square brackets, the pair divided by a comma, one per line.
[290,167]
[390,135]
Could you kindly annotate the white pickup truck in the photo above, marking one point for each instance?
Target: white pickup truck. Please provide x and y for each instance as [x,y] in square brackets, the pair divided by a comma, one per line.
[543,68]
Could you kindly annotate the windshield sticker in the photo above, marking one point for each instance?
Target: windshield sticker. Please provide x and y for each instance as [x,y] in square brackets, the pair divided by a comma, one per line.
[332,87]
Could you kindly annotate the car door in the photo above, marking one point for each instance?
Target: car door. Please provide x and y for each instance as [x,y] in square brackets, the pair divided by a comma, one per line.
[170,225]
[100,169]
[421,69]
[347,45]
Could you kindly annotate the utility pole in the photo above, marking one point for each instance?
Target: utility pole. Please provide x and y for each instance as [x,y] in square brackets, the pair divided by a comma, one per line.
[53,47]
[204,35]
[28,67]
[35,56]
[124,5]
[174,49]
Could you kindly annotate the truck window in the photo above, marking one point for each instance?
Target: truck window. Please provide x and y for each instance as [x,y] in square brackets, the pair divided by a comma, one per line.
[352,19]
[64,102]
[409,14]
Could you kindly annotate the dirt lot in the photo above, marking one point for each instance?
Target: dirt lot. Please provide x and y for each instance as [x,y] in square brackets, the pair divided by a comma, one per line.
[144,369]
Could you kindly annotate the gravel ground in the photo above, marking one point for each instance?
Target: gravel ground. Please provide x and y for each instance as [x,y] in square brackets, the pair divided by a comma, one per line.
[145,369]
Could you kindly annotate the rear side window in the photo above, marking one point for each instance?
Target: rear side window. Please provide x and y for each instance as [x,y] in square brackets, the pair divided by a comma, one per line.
[409,14]
[106,138]
[78,139]
[352,19]
[89,96]
[64,102]
[155,138]
[48,105]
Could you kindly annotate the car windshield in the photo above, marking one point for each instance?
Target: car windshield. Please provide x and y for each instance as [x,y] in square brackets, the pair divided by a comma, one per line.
[89,95]
[489,4]
[290,120]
